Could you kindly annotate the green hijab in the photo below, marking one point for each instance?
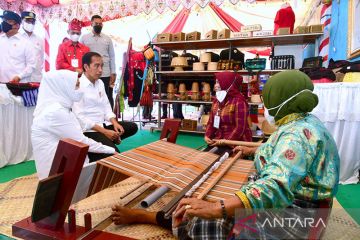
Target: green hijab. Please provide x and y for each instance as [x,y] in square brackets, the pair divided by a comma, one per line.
[285,85]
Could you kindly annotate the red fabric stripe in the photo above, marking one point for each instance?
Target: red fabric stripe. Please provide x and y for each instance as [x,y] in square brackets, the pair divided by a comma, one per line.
[323,43]
[178,23]
[324,8]
[47,48]
[325,58]
[327,22]
[229,21]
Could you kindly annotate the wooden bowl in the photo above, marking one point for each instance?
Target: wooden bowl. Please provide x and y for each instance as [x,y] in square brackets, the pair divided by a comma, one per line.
[178,63]
[206,88]
[205,57]
[198,66]
[182,88]
[170,88]
[195,87]
[212,66]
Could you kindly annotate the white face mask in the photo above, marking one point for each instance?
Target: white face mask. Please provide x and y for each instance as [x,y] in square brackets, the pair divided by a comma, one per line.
[28,27]
[221,95]
[286,101]
[269,119]
[74,37]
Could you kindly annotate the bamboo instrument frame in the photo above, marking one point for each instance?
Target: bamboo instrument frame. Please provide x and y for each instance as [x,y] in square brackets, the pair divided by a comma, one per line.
[219,176]
[237,143]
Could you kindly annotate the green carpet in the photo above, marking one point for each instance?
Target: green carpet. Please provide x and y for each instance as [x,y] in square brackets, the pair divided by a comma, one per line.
[3,237]
[145,137]
[13,171]
[349,198]
[348,195]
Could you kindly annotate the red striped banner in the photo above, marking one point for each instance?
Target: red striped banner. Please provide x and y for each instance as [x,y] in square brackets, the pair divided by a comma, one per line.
[47,47]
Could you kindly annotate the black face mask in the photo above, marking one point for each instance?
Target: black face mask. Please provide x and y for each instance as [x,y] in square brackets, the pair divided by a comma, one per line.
[6,27]
[97,29]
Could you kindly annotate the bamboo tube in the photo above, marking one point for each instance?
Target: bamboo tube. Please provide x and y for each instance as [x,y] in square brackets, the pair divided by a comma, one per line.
[237,143]
[219,176]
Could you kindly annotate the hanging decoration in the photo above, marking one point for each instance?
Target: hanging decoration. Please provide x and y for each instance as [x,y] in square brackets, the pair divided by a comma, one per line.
[47,47]
[48,10]
[325,19]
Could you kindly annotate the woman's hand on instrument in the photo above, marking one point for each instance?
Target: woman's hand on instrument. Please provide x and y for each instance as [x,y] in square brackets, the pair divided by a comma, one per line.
[209,141]
[193,207]
[123,215]
[246,151]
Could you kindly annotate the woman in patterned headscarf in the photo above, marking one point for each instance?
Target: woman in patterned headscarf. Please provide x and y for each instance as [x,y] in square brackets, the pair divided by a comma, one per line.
[297,168]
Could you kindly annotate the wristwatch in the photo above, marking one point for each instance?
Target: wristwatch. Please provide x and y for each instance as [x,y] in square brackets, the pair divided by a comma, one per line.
[224,213]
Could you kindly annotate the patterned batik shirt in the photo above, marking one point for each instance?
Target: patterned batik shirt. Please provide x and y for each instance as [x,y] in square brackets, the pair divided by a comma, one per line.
[300,160]
[233,120]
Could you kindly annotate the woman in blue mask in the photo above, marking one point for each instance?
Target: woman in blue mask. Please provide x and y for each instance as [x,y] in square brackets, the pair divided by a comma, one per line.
[229,111]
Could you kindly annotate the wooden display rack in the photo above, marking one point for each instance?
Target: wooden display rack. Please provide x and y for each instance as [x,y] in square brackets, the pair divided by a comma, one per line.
[207,44]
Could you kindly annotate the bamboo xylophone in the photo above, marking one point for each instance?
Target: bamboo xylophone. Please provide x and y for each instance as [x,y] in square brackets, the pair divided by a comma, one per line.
[172,165]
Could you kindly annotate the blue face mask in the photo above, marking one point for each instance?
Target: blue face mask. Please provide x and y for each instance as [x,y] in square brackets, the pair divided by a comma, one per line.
[6,27]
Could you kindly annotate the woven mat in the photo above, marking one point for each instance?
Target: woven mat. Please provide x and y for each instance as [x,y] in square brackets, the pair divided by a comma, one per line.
[16,199]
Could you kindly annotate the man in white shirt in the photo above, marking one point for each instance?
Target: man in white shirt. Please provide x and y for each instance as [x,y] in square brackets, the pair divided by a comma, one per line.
[17,59]
[37,43]
[94,111]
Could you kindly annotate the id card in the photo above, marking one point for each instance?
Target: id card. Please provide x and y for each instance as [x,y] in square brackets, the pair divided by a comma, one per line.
[75,63]
[216,121]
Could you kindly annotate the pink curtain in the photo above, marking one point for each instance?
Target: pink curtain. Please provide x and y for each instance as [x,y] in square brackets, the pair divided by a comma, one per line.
[235,26]
[44,3]
[178,23]
[229,21]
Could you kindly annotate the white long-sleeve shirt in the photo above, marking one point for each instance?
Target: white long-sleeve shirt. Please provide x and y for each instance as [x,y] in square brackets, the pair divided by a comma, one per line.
[52,124]
[17,58]
[94,107]
[38,46]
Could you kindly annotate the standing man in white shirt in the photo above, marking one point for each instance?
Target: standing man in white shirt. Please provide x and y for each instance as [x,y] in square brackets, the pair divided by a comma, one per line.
[17,59]
[102,44]
[94,111]
[37,43]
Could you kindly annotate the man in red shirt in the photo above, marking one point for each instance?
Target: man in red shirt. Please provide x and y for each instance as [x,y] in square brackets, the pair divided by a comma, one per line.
[71,52]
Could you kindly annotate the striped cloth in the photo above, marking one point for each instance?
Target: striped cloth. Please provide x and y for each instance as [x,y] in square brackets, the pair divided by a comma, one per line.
[325,19]
[30,97]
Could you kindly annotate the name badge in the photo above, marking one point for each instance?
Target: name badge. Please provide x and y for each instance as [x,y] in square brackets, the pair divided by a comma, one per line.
[216,121]
[75,63]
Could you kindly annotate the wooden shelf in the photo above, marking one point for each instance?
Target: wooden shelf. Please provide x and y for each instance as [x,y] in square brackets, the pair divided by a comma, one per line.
[211,73]
[182,101]
[193,102]
[240,42]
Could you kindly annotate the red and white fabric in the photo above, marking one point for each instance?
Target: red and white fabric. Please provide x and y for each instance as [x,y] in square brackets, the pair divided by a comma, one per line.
[325,19]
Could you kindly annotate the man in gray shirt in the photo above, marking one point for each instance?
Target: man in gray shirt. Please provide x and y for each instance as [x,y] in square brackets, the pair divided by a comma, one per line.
[102,44]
